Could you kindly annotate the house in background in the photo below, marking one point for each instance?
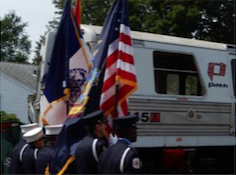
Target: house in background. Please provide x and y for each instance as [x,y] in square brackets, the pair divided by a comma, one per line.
[18,84]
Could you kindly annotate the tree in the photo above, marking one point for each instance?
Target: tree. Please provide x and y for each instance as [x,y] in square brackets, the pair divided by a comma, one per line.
[218,21]
[206,20]
[94,12]
[15,42]
[178,18]
[90,14]
[37,58]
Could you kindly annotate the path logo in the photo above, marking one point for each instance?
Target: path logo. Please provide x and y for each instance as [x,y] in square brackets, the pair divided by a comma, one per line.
[217,69]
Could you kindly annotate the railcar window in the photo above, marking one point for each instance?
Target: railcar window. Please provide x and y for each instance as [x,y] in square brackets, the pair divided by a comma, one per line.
[176,73]
[172,84]
[233,73]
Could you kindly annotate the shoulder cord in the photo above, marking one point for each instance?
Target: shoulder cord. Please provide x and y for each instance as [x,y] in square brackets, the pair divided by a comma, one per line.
[22,151]
[122,161]
[94,149]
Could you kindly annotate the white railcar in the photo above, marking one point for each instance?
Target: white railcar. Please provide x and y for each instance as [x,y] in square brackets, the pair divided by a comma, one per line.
[186,90]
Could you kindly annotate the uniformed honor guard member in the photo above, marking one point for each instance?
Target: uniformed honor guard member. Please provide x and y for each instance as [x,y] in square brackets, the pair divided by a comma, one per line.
[44,156]
[15,166]
[35,140]
[91,146]
[122,158]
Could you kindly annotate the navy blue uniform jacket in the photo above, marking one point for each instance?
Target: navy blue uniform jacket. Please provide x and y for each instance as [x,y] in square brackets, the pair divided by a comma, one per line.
[43,159]
[28,160]
[15,166]
[120,158]
[87,153]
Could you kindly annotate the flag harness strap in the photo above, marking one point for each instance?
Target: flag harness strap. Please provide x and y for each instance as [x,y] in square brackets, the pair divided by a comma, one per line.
[22,151]
[35,153]
[122,161]
[94,149]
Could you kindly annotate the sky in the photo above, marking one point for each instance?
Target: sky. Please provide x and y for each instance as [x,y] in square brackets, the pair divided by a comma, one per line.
[37,13]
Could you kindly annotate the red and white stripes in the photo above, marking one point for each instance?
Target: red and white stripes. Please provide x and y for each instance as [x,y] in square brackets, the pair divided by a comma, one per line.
[120,69]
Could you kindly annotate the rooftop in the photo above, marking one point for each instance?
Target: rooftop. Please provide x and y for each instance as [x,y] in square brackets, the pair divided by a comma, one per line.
[24,73]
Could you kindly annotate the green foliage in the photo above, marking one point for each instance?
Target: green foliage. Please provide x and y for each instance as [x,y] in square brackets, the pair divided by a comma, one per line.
[179,18]
[206,20]
[90,13]
[15,42]
[94,12]
[37,58]
[218,21]
[5,117]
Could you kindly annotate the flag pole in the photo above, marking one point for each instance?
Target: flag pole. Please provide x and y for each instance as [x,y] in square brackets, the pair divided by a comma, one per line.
[116,91]
[116,87]
[115,103]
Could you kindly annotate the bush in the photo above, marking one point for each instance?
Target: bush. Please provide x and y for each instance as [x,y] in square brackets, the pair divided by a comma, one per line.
[5,117]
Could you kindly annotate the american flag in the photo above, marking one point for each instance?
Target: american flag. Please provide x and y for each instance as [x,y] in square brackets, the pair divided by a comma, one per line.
[120,69]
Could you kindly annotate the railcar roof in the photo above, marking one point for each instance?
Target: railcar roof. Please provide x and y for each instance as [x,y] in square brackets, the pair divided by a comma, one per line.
[167,39]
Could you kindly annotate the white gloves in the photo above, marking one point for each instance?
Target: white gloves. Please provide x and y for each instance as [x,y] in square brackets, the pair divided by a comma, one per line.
[112,139]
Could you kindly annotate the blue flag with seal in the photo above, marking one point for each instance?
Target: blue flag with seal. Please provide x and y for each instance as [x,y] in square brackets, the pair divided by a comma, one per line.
[69,66]
[73,66]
